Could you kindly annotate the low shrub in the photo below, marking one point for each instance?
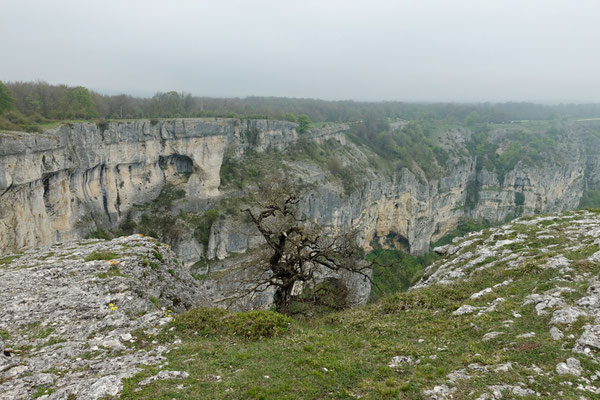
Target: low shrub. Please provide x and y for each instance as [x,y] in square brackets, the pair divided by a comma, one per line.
[100,234]
[215,321]
[437,297]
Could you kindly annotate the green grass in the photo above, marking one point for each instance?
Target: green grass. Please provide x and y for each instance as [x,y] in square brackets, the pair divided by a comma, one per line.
[345,355]
[101,255]
[42,391]
[155,301]
[4,261]
[111,272]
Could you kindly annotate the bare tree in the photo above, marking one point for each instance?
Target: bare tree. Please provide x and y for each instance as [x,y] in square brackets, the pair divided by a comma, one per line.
[297,251]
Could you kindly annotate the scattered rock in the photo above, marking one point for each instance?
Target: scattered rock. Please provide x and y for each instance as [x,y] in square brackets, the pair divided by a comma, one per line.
[503,367]
[589,338]
[497,390]
[399,361]
[458,375]
[557,262]
[106,386]
[446,250]
[465,309]
[555,333]
[163,375]
[491,335]
[526,335]
[571,367]
[481,293]
[126,337]
[440,392]
[566,315]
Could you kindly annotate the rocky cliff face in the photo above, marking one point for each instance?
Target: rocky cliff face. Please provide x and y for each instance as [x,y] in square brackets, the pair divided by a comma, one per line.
[66,182]
[71,180]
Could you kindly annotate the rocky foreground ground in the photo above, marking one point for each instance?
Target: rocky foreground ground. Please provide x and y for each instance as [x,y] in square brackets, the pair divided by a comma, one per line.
[565,250]
[509,312]
[70,313]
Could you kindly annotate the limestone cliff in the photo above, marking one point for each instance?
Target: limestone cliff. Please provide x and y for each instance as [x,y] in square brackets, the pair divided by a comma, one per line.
[66,182]
[70,180]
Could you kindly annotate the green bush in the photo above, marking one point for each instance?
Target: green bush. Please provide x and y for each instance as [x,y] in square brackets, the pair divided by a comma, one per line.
[215,321]
[257,324]
[303,123]
[102,125]
[590,199]
[202,232]
[395,270]
[519,199]
[100,234]
[470,225]
[329,295]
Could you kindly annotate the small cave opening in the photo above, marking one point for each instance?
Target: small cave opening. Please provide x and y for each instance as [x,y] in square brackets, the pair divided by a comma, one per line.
[178,163]
[392,240]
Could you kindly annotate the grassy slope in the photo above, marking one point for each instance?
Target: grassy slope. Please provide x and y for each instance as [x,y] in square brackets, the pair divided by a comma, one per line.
[346,355]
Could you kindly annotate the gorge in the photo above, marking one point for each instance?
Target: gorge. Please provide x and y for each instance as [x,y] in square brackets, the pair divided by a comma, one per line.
[75,179]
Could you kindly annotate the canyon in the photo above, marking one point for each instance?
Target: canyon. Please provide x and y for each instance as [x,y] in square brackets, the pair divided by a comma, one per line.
[77,178]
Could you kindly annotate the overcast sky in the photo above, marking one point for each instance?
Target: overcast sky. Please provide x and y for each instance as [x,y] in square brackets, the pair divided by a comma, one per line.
[422,50]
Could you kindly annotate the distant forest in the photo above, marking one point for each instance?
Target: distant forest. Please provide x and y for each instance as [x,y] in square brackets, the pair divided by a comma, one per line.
[29,105]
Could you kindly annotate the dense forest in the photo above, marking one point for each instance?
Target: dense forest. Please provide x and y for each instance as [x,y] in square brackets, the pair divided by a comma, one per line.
[29,105]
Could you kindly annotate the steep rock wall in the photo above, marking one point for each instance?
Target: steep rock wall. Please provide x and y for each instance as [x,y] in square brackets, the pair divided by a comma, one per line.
[66,182]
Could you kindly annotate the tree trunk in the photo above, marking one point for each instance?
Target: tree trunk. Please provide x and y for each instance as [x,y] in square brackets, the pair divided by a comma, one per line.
[283,298]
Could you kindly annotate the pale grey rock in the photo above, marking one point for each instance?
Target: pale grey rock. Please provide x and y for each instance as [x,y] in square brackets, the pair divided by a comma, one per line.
[105,386]
[491,335]
[589,338]
[465,309]
[542,302]
[400,361]
[458,375]
[503,283]
[594,257]
[446,250]
[571,367]
[556,333]
[479,368]
[526,335]
[440,392]
[481,293]
[497,391]
[503,367]
[559,261]
[566,315]
[162,375]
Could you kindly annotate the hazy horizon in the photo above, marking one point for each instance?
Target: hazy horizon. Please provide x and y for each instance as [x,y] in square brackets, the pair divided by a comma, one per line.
[463,51]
